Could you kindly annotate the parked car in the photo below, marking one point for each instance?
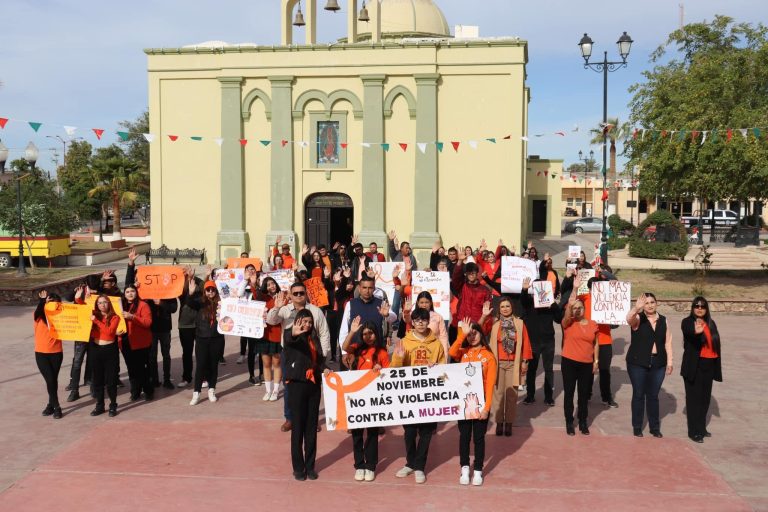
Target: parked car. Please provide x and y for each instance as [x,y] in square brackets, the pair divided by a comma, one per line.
[585,225]
[719,217]
[571,212]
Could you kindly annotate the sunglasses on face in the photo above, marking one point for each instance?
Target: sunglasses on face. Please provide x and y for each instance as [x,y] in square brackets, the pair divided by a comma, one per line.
[299,294]
[699,306]
[420,321]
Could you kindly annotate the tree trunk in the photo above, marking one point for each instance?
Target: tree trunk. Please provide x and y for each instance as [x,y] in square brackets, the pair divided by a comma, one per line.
[29,250]
[116,232]
[613,193]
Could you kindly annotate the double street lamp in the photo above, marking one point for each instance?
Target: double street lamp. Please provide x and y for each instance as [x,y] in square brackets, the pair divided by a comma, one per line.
[588,162]
[624,45]
[31,153]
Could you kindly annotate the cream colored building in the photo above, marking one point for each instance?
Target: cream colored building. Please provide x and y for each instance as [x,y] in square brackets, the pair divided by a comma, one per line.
[327,109]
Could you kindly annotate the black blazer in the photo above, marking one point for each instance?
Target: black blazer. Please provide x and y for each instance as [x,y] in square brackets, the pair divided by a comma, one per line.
[298,358]
[692,344]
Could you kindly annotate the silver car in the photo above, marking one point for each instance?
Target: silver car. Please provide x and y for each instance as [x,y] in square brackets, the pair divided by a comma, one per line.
[585,225]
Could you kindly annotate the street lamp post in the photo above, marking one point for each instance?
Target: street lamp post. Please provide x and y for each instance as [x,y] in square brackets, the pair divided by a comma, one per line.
[588,162]
[624,44]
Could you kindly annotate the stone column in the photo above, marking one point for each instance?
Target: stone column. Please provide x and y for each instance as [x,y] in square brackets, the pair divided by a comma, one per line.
[281,175]
[372,209]
[425,192]
[231,239]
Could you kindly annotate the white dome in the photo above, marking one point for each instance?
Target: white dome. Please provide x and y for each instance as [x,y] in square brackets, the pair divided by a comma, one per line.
[409,18]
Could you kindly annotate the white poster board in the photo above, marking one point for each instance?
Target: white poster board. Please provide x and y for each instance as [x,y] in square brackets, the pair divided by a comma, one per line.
[228,281]
[570,266]
[514,270]
[574,251]
[611,302]
[241,317]
[400,396]
[438,284]
[585,274]
[284,278]
[543,295]
[384,280]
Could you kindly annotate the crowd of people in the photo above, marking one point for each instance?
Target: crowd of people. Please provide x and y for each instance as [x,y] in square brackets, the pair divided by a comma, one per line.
[360,330]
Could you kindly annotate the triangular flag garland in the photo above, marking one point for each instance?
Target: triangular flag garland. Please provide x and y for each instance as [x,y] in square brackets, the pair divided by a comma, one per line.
[243,142]
[422,146]
[35,126]
[455,145]
[123,136]
[3,121]
[403,146]
[265,143]
[70,130]
[472,144]
[439,146]
[344,145]
[149,136]
[219,141]
[173,138]
[385,146]
[196,138]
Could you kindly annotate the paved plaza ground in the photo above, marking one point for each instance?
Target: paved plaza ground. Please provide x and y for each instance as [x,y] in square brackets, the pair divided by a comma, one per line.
[231,455]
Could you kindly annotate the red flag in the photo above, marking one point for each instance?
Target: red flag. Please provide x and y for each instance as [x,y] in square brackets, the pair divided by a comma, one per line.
[344,145]
[99,132]
[562,134]
[403,146]
[538,173]
[605,195]
[3,120]
[694,134]
[173,137]
[283,142]
[455,145]
[729,134]
[243,142]
[546,173]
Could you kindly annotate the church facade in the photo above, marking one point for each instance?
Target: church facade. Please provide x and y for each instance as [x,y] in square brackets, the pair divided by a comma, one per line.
[398,126]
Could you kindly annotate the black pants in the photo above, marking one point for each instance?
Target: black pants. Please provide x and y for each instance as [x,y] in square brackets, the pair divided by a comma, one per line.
[243,345]
[698,394]
[416,451]
[333,319]
[472,430]
[104,361]
[252,356]
[646,384]
[80,355]
[576,375]
[304,403]
[164,340]
[187,339]
[366,452]
[547,353]
[137,361]
[604,357]
[208,351]
[49,366]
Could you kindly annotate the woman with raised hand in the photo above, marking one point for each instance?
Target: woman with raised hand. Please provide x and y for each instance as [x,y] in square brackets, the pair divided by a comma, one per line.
[471,346]
[649,359]
[136,343]
[104,353]
[269,345]
[209,347]
[249,289]
[369,352]
[701,365]
[48,354]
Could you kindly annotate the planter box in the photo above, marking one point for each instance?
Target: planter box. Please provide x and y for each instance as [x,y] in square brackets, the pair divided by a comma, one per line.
[134,232]
[118,244]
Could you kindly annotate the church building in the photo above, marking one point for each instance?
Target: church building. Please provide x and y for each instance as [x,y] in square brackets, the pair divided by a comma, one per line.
[397,126]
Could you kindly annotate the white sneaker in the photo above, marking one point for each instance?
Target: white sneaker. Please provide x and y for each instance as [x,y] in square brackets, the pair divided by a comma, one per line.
[420,477]
[370,476]
[403,472]
[464,478]
[477,478]
[359,475]
[184,383]
[205,383]
[195,398]
[273,395]
[267,396]
[212,395]
[240,359]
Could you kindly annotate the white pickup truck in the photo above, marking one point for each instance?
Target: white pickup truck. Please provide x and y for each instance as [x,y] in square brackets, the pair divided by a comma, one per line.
[719,217]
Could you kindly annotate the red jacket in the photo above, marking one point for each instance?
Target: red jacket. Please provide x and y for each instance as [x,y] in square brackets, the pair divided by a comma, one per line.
[140,326]
[471,297]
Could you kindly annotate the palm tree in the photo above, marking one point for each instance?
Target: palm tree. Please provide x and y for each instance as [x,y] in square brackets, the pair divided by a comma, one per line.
[118,178]
[615,132]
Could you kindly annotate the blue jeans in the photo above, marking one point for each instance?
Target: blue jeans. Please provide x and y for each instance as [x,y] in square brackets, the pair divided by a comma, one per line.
[646,384]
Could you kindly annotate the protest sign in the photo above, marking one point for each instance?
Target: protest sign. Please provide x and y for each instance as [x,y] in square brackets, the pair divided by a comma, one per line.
[160,282]
[574,251]
[243,262]
[117,305]
[543,296]
[316,292]
[384,280]
[284,278]
[241,317]
[438,284]
[70,322]
[400,396]
[514,270]
[570,266]
[228,281]
[585,274]
[611,302]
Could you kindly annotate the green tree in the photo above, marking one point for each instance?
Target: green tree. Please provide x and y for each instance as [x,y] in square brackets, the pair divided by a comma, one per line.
[615,131]
[77,179]
[716,81]
[119,178]
[137,149]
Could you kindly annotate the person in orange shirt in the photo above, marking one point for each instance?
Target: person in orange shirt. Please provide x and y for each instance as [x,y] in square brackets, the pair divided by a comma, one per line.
[472,347]
[48,354]
[287,260]
[369,352]
[579,360]
[103,350]
[511,347]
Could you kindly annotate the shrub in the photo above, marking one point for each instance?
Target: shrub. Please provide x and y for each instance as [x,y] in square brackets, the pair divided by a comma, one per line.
[664,222]
[620,226]
[615,242]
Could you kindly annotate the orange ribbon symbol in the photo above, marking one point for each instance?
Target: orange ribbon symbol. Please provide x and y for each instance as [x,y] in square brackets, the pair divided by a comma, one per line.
[334,382]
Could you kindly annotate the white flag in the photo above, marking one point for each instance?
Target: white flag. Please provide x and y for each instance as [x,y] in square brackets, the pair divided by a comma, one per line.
[472,144]
[70,130]
[743,132]
[704,136]
[219,141]
[365,144]
[422,146]
[150,137]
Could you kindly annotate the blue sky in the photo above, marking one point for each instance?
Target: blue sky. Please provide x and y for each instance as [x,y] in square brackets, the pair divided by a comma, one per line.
[80,62]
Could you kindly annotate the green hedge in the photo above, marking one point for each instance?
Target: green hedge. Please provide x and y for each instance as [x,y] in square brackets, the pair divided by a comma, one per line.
[641,248]
[619,225]
[615,242]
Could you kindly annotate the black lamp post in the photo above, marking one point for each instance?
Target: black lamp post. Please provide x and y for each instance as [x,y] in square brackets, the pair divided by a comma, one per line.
[624,44]
[588,162]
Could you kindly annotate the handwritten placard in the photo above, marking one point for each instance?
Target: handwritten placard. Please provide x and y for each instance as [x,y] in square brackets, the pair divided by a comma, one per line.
[514,270]
[241,317]
[611,302]
[160,282]
[585,274]
[384,279]
[574,251]
[228,281]
[283,277]
[70,322]
[316,291]
[244,262]
[543,296]
[438,284]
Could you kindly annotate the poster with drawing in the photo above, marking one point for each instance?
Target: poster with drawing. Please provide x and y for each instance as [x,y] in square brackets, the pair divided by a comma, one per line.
[543,295]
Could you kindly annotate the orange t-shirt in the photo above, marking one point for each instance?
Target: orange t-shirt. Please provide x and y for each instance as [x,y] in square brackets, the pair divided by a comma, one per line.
[603,330]
[552,280]
[43,341]
[578,341]
[317,272]
[707,350]
[522,337]
[366,359]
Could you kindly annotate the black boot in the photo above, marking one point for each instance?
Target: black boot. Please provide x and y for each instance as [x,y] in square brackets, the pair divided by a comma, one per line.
[569,429]
[73,395]
[98,410]
[57,414]
[583,429]
[112,410]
